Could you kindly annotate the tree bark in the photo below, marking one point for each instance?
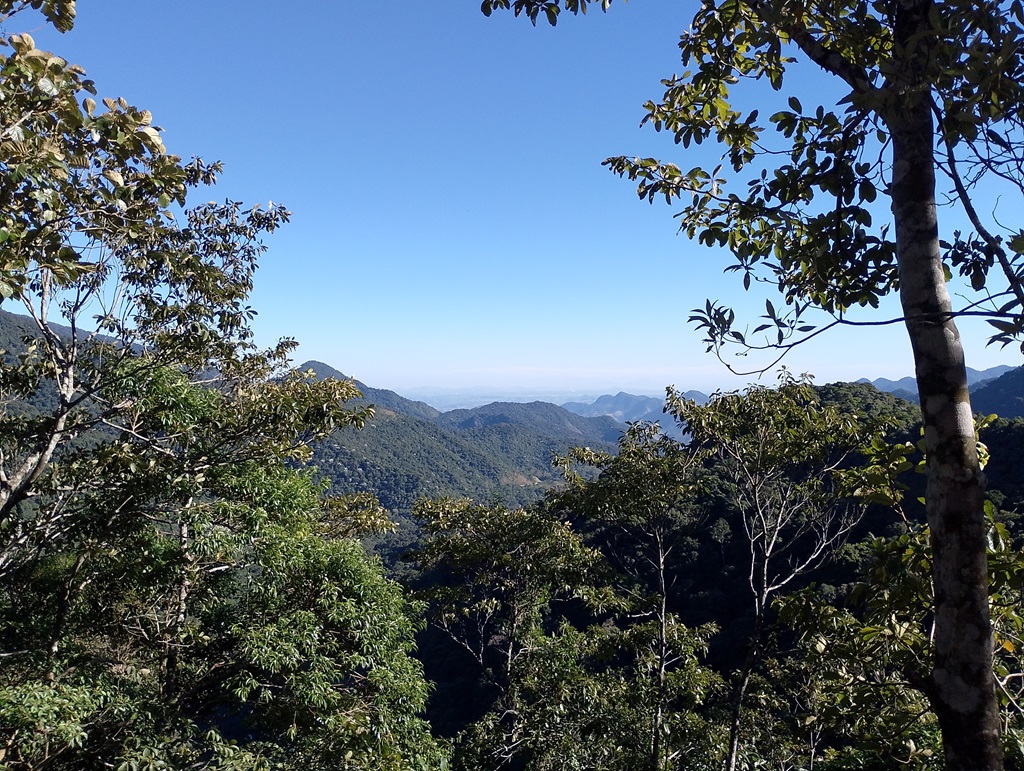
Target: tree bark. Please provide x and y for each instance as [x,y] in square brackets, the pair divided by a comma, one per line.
[739,693]
[960,688]
[663,652]
[179,609]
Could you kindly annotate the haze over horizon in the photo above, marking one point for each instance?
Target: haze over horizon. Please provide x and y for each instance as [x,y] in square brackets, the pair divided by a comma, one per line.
[446,398]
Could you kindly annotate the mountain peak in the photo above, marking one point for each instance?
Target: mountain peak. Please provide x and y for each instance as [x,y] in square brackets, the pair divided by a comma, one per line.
[322,371]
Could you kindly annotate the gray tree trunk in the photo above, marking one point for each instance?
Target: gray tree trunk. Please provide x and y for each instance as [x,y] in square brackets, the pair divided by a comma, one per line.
[960,687]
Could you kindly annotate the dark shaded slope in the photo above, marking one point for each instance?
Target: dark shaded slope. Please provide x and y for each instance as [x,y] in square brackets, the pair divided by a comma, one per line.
[1003,396]
[14,331]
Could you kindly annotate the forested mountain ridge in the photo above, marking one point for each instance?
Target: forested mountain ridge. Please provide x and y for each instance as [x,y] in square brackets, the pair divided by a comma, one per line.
[869,402]
[400,459]
[379,397]
[14,328]
[1003,396]
[503,451]
[543,418]
[409,450]
[622,407]
[546,419]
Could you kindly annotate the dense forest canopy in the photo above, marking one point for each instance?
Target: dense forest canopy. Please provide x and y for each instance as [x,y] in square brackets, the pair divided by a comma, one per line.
[928,94]
[770,585]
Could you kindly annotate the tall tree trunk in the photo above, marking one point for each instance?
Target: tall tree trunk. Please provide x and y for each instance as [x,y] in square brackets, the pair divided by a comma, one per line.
[179,609]
[663,652]
[739,693]
[960,687]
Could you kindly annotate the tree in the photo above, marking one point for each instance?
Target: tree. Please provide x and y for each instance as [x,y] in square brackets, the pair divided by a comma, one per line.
[204,605]
[783,457]
[590,669]
[587,699]
[90,239]
[494,579]
[926,88]
[494,575]
[645,495]
[176,591]
[868,651]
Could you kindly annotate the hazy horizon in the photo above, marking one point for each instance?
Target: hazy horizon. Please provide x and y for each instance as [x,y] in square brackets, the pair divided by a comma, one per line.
[452,398]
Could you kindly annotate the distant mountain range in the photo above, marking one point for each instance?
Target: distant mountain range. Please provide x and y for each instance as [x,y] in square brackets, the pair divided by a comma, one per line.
[630,408]
[498,452]
[503,451]
[906,388]
[625,407]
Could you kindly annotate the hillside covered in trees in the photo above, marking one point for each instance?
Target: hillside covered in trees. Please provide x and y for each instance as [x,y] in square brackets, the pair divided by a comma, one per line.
[707,593]
[501,451]
[212,559]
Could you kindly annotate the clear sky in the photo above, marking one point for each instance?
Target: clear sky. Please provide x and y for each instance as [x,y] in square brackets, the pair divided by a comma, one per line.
[452,225]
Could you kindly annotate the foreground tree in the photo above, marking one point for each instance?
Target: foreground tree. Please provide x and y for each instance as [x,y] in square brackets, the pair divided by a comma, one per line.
[643,510]
[204,606]
[925,88]
[495,578]
[587,699]
[494,575]
[176,592]
[866,654]
[784,459]
[588,669]
[94,237]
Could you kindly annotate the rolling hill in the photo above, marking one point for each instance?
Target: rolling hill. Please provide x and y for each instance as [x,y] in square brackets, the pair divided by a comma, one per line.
[498,452]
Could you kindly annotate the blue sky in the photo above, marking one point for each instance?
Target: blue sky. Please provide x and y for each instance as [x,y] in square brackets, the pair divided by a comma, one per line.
[452,226]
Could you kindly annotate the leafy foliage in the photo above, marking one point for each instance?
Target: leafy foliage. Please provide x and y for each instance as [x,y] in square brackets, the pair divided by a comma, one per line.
[927,90]
[203,589]
[869,656]
[514,588]
[496,573]
[177,592]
